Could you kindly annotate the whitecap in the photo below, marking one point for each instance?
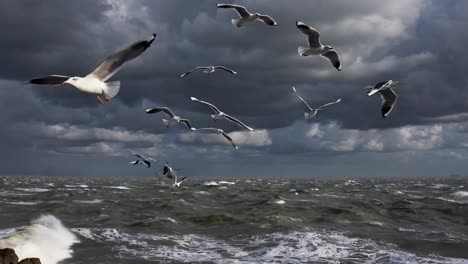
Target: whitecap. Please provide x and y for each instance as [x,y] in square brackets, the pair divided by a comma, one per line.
[460,194]
[46,238]
[210,184]
[95,201]
[117,187]
[76,186]
[226,182]
[38,190]
[21,203]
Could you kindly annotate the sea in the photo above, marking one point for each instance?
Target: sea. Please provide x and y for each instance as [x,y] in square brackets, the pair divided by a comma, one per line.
[235,220]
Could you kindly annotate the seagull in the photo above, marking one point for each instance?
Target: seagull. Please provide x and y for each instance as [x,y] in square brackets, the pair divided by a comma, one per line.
[208,69]
[315,47]
[178,183]
[170,173]
[142,160]
[218,131]
[95,82]
[221,115]
[311,112]
[389,97]
[381,86]
[173,118]
[246,16]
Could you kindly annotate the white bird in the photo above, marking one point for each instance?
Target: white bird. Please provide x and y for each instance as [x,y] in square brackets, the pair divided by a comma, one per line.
[389,97]
[173,118]
[209,69]
[142,160]
[178,183]
[246,16]
[315,47]
[311,112]
[218,131]
[95,82]
[221,115]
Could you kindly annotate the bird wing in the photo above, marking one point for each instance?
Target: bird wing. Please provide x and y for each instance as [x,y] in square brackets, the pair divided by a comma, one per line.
[225,69]
[313,35]
[165,170]
[147,163]
[115,62]
[215,109]
[135,162]
[332,56]
[242,11]
[389,98]
[208,129]
[267,20]
[138,155]
[302,100]
[380,84]
[196,69]
[230,139]
[331,103]
[237,121]
[187,123]
[50,80]
[182,180]
[160,109]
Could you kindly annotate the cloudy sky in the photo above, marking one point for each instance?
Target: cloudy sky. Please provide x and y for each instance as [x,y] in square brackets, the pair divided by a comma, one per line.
[58,131]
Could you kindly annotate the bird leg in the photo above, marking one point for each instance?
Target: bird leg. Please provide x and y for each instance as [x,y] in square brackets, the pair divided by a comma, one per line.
[99,100]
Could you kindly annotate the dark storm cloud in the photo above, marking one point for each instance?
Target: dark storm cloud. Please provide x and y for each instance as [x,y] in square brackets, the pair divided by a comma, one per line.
[420,43]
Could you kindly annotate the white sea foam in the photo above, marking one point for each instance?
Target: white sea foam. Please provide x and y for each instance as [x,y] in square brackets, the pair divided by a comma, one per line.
[210,184]
[460,194]
[95,201]
[21,203]
[226,182]
[76,186]
[118,187]
[46,238]
[294,247]
[33,189]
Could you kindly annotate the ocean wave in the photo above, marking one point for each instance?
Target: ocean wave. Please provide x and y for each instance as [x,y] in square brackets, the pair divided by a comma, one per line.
[118,187]
[95,201]
[76,186]
[294,247]
[37,190]
[46,238]
[460,194]
[21,203]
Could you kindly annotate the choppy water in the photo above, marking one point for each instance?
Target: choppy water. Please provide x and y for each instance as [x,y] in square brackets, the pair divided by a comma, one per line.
[119,220]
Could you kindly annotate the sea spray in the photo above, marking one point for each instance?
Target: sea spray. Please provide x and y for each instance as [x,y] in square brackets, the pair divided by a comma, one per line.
[46,238]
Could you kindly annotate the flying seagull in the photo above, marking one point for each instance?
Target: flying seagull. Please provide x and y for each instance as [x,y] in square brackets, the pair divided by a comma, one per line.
[246,16]
[173,118]
[170,173]
[142,160]
[209,69]
[315,47]
[221,115]
[218,131]
[311,112]
[389,97]
[95,82]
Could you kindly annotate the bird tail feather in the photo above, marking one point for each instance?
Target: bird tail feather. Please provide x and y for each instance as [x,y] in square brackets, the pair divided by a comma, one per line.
[236,22]
[302,51]
[112,89]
